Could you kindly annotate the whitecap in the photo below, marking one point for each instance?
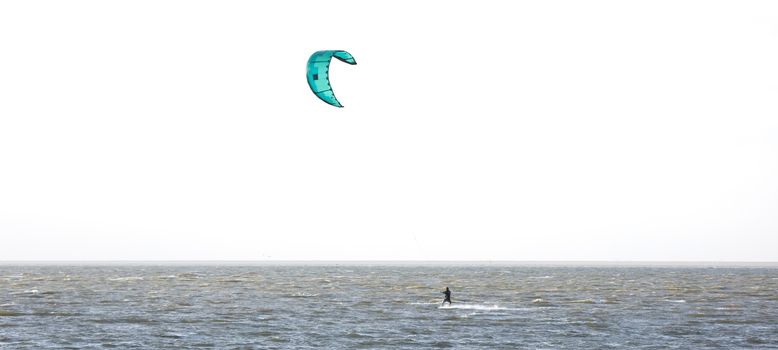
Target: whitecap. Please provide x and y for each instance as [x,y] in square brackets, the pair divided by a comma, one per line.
[582,301]
[473,307]
[28,291]
[723,308]
[302,295]
[675,301]
[126,279]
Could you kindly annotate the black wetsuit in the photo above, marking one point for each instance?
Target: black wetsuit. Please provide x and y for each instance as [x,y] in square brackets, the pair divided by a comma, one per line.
[448,296]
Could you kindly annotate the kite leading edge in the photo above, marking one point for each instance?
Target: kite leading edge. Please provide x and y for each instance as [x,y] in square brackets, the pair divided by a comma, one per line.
[318,73]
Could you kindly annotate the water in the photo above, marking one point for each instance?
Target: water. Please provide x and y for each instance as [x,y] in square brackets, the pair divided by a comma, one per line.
[382,307]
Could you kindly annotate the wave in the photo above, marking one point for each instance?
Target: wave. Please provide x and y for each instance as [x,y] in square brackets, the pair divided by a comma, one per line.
[724,308]
[301,295]
[167,277]
[189,275]
[27,292]
[126,279]
[473,307]
[582,301]
[10,313]
[416,287]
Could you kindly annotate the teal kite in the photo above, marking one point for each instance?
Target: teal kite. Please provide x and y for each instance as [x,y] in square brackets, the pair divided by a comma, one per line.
[318,73]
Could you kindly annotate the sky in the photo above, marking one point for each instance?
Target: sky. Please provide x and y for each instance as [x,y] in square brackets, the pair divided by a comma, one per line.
[489,130]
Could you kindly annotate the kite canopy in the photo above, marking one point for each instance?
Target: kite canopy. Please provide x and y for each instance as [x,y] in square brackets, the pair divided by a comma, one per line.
[318,73]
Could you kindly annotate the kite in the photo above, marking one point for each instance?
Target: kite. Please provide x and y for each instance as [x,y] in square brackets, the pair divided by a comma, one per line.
[318,73]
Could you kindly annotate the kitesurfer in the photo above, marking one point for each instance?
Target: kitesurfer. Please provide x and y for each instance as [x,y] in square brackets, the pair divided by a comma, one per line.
[447,298]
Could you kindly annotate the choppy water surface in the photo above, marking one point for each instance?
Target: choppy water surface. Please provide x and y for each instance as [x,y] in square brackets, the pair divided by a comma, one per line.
[379,307]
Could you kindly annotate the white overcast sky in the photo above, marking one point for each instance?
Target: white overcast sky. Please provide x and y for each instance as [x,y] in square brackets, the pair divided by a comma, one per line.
[479,130]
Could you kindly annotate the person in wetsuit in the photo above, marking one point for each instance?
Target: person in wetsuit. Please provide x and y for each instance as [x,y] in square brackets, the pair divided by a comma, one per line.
[447,298]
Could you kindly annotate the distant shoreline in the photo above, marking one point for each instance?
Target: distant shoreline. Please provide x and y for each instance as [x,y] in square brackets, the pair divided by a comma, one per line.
[515,263]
